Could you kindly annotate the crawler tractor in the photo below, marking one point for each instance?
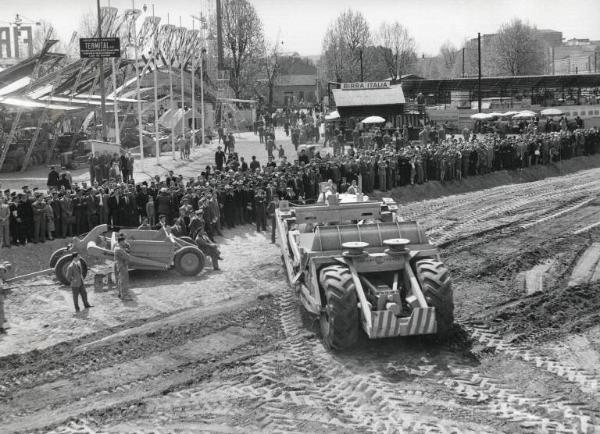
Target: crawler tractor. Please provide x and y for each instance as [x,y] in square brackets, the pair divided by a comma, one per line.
[355,264]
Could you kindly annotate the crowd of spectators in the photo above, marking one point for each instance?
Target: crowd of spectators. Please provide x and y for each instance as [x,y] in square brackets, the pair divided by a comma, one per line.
[232,192]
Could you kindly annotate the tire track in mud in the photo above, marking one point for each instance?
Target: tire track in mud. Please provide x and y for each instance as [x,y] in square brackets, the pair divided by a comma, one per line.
[586,381]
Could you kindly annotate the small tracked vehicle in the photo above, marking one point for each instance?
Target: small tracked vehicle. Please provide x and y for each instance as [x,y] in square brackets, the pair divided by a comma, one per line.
[357,265]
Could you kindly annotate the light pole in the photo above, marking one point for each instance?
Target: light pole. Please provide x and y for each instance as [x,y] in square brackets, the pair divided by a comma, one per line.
[202,21]
[135,13]
[102,92]
[155,74]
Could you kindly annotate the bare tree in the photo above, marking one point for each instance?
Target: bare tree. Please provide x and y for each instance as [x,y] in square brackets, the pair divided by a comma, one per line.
[516,51]
[448,56]
[399,47]
[344,46]
[272,68]
[243,42]
[42,33]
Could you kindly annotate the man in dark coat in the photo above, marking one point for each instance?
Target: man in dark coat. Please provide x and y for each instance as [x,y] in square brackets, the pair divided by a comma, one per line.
[53,178]
[219,158]
[260,210]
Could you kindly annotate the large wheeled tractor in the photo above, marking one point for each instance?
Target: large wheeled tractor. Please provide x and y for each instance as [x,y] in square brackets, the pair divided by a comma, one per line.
[148,250]
[357,266]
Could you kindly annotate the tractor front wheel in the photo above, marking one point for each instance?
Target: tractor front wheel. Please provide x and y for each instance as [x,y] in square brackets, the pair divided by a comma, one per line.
[57,255]
[60,269]
[189,261]
[339,317]
[437,290]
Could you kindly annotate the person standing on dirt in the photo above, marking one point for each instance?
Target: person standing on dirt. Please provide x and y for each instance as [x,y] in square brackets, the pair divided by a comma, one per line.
[75,276]
[273,205]
[122,267]
[4,270]
[4,225]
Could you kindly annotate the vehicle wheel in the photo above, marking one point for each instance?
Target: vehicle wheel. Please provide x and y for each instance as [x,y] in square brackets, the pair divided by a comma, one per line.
[60,269]
[437,290]
[57,255]
[339,318]
[189,261]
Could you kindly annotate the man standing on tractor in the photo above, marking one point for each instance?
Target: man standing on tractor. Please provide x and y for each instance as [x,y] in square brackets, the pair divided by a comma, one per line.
[122,267]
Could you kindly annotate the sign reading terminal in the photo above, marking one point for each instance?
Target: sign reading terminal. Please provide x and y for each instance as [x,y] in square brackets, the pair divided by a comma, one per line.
[97,48]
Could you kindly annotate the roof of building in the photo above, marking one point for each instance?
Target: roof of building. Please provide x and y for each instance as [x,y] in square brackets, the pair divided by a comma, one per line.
[296,80]
[504,84]
[354,98]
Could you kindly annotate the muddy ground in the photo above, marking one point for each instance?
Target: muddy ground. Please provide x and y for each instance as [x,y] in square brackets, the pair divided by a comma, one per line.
[234,351]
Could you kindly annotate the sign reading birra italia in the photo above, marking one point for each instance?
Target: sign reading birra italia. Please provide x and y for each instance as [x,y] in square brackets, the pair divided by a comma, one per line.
[366,85]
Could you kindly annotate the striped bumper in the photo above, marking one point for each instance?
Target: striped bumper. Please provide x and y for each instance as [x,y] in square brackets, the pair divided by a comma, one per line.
[387,324]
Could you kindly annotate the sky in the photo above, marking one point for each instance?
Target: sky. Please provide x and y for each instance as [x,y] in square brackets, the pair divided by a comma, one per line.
[301,24]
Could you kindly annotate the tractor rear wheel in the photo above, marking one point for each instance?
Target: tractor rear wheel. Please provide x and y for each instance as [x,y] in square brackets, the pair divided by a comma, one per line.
[189,261]
[339,318]
[60,269]
[57,255]
[437,290]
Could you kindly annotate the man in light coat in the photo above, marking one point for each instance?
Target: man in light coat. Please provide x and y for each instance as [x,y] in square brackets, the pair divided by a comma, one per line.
[122,267]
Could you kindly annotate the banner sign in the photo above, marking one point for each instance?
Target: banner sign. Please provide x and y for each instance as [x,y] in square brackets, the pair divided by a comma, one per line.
[367,85]
[98,48]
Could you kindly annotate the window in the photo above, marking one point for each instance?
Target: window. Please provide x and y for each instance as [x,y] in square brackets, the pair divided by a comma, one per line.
[590,112]
[597,112]
[574,113]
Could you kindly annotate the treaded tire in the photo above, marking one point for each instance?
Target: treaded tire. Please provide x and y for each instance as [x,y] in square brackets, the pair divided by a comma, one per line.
[60,269]
[340,319]
[57,255]
[437,289]
[189,261]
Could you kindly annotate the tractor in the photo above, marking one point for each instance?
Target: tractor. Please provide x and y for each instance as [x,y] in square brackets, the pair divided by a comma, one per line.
[148,250]
[356,264]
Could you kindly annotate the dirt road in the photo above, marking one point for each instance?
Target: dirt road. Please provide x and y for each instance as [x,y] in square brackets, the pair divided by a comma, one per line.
[234,352]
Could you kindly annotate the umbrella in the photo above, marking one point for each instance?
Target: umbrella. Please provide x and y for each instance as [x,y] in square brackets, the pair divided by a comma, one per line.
[551,112]
[495,115]
[524,115]
[331,116]
[373,120]
[481,116]
[509,114]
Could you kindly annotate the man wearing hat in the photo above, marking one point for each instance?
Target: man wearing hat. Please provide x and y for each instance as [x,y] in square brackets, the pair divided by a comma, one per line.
[75,276]
[273,205]
[4,225]
[121,257]
[199,235]
[52,178]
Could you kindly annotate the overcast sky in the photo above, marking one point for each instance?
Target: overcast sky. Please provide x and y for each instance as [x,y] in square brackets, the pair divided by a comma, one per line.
[302,24]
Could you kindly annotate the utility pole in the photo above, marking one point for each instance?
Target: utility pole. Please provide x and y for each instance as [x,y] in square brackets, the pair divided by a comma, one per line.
[102,91]
[137,84]
[361,66]
[193,74]
[155,76]
[479,74]
[463,62]
[181,58]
